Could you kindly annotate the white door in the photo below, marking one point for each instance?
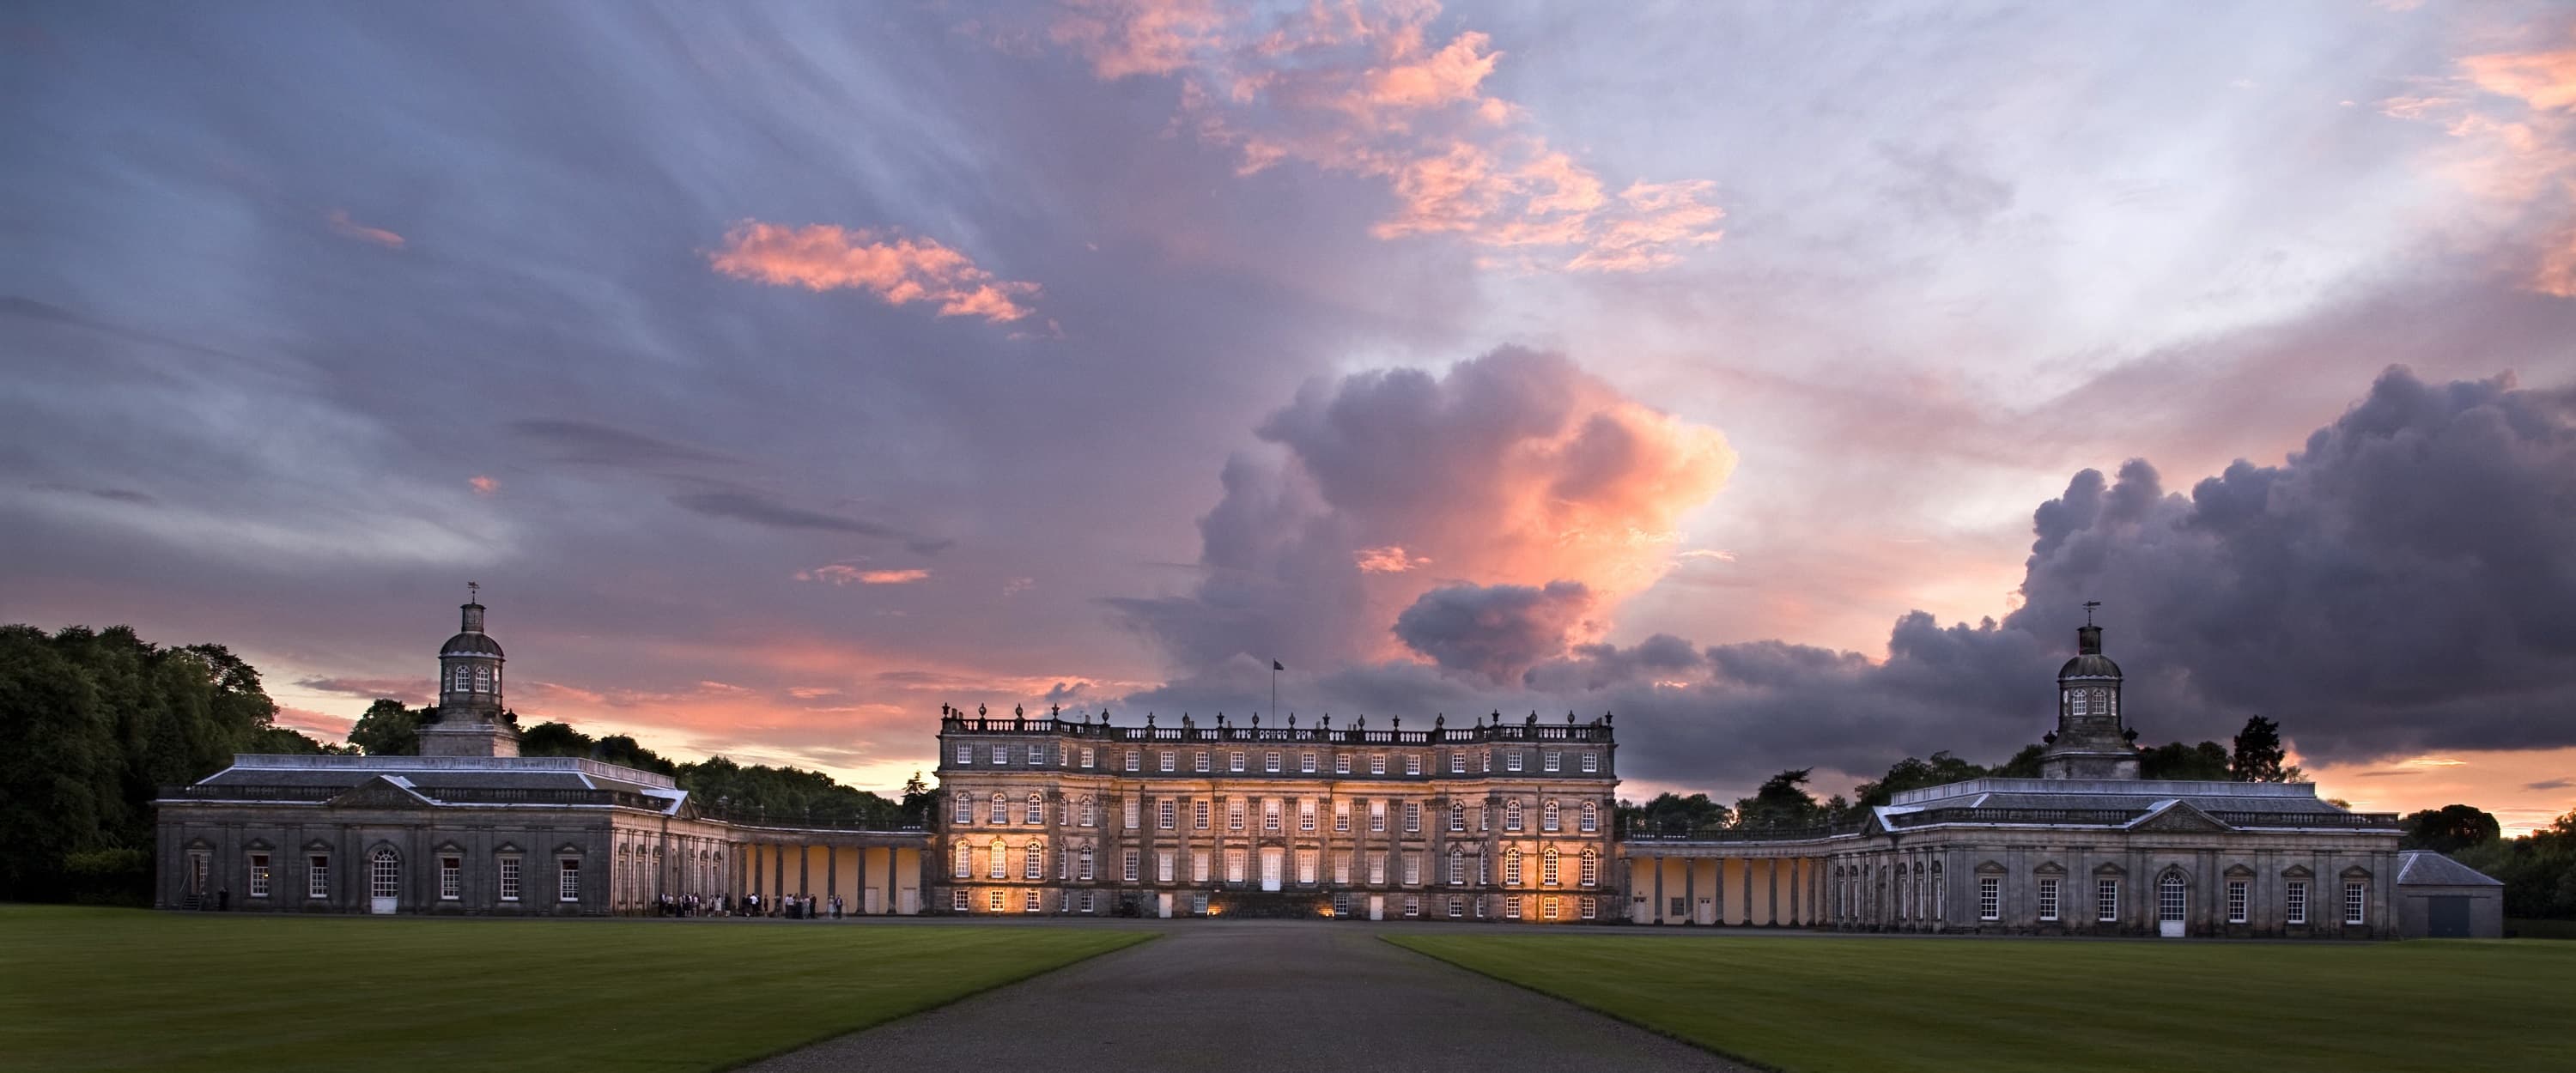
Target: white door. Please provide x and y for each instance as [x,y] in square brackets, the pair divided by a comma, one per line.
[2172,900]
[384,881]
[872,901]
[1272,863]
[909,902]
[1167,907]
[1377,907]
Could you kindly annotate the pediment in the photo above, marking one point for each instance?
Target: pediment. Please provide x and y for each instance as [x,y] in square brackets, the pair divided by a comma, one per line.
[569,850]
[2178,816]
[381,793]
[2238,871]
[1991,868]
[2297,871]
[2050,868]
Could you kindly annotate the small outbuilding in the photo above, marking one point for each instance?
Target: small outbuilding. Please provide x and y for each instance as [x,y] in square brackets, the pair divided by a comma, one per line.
[2440,898]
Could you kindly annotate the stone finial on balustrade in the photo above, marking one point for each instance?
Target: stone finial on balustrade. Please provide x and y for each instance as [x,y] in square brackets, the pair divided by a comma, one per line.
[1149,719]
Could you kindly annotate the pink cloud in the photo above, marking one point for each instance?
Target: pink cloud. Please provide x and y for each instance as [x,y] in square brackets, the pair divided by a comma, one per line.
[844,574]
[482,485]
[1379,94]
[1391,559]
[344,227]
[2512,118]
[895,267]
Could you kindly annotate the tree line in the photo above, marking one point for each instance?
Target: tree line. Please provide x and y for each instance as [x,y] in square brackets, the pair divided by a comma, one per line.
[94,722]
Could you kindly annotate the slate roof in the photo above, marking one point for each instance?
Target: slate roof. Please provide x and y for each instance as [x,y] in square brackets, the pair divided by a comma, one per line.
[470,644]
[2423,867]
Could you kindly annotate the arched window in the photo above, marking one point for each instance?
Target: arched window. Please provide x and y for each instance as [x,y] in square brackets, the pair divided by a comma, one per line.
[482,678]
[1900,894]
[384,872]
[1085,873]
[1001,860]
[1547,866]
[1591,868]
[1457,816]
[2171,898]
[2078,696]
[1547,815]
[1090,813]
[1511,815]
[1001,809]
[1512,867]
[965,860]
[1037,809]
[1591,816]
[1940,894]
[1035,862]
[1457,866]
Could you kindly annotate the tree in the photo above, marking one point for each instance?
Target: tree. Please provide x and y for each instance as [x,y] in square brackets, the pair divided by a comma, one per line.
[289,741]
[2449,829]
[2207,761]
[1781,801]
[1673,814]
[388,729]
[2023,765]
[2259,753]
[919,801]
[1913,774]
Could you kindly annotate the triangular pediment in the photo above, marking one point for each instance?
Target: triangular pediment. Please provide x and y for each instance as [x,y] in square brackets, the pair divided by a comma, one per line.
[381,792]
[2178,816]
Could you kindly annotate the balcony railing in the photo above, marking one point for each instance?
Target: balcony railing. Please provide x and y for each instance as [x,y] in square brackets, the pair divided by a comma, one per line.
[2090,817]
[2350,821]
[1595,731]
[485,795]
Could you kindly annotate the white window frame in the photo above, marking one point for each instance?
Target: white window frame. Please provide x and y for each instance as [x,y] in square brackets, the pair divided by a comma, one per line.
[451,877]
[2240,900]
[1511,760]
[1171,761]
[1341,763]
[2049,894]
[1591,763]
[961,900]
[1270,761]
[1029,902]
[1377,815]
[1412,763]
[317,875]
[2297,895]
[508,866]
[1306,815]
[1234,761]
[1133,813]
[1377,763]
[1135,759]
[259,875]
[1087,757]
[1551,761]
[1990,897]
[1168,814]
[1342,816]
[1457,766]
[1200,762]
[1128,863]
[1306,763]
[567,879]
[2356,903]
[2106,900]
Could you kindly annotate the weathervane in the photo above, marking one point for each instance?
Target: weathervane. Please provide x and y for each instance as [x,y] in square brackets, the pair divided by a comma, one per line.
[473,592]
[2089,605]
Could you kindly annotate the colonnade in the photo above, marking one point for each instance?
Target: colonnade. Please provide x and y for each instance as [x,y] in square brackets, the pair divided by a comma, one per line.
[1709,885]
[869,879]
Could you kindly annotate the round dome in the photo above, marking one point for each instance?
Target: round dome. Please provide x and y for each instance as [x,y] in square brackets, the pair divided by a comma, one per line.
[2090,665]
[470,644]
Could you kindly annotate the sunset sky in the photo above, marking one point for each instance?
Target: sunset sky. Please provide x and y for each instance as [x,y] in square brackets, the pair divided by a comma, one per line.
[1779,377]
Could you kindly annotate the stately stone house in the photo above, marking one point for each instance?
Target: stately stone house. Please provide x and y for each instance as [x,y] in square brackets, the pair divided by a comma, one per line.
[1500,820]
[471,827]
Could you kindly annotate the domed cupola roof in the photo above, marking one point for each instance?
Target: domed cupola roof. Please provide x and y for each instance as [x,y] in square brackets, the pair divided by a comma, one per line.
[470,644]
[2089,662]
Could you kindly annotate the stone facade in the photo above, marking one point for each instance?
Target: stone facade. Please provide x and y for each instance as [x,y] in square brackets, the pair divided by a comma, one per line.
[1499,821]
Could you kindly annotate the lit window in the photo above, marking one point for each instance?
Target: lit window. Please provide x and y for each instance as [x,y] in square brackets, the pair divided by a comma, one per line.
[1591,816]
[1169,815]
[1199,815]
[2236,901]
[2356,898]
[993,900]
[1377,815]
[2106,900]
[568,879]
[2298,901]
[1306,763]
[1133,813]
[451,878]
[1127,866]
[1591,763]
[1341,765]
[1033,862]
[999,866]
[1547,816]
[1036,809]
[259,875]
[1270,761]
[1591,868]
[1306,814]
[1342,816]
[2048,900]
[1990,897]
[1170,761]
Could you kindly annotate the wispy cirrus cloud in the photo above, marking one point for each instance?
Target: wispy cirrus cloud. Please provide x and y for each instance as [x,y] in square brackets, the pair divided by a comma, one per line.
[345,227]
[1381,94]
[896,267]
[845,574]
[2512,115]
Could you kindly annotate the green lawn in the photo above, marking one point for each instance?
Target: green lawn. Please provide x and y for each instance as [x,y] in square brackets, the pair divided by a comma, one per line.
[89,989]
[1824,1005]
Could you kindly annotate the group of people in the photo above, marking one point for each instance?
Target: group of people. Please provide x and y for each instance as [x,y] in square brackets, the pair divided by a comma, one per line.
[798,907]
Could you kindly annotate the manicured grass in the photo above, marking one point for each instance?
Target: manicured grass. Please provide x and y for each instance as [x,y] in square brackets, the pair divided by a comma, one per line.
[95,989]
[1866,1005]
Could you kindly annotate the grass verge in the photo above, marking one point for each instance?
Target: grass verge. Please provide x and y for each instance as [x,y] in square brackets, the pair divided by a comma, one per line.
[101,989]
[1868,1005]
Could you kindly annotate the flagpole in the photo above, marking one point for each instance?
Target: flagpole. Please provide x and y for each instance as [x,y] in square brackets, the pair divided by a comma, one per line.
[1274,691]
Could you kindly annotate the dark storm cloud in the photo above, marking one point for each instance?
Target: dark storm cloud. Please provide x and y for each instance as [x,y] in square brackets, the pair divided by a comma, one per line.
[1494,630]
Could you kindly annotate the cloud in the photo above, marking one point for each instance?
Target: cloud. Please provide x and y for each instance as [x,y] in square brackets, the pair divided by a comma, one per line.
[1391,559]
[1497,631]
[483,485]
[758,508]
[1380,94]
[2512,118]
[344,227]
[895,267]
[412,691]
[844,574]
[591,443]
[1515,468]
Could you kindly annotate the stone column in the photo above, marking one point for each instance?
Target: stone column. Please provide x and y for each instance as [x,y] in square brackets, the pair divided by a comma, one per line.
[1690,890]
[860,883]
[831,872]
[1658,907]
